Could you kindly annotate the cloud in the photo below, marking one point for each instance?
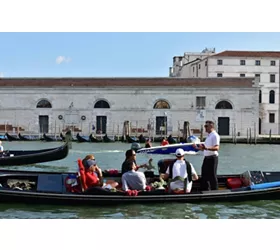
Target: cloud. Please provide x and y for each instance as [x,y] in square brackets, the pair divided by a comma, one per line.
[1,74]
[61,59]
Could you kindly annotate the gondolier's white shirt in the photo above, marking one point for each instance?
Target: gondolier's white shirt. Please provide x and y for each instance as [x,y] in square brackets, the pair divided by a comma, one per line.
[212,139]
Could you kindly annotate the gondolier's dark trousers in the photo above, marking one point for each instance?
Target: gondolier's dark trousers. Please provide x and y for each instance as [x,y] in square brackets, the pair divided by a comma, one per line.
[209,173]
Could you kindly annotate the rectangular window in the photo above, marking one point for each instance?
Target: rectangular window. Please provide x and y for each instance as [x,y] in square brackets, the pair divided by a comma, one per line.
[272,78]
[205,63]
[199,66]
[258,62]
[242,75]
[200,102]
[193,69]
[219,75]
[258,76]
[272,63]
[242,62]
[220,62]
[271,117]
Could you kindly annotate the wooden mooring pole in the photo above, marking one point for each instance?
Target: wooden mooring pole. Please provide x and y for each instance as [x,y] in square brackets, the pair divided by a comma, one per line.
[235,140]
[250,131]
[255,134]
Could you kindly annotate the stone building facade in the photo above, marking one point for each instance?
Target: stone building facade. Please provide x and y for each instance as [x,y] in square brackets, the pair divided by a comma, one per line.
[153,106]
[262,65]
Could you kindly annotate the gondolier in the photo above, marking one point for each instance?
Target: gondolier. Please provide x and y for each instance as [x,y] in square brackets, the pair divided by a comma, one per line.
[210,162]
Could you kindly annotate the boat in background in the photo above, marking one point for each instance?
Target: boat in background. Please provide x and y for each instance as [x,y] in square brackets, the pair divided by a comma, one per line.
[27,157]
[169,149]
[94,139]
[11,137]
[82,138]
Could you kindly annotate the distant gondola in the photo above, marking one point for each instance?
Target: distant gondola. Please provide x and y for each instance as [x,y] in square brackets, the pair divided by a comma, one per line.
[12,138]
[81,138]
[131,139]
[171,140]
[94,139]
[27,138]
[27,157]
[107,139]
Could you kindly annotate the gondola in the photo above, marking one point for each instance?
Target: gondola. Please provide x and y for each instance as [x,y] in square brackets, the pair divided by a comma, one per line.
[107,139]
[171,140]
[51,138]
[94,139]
[3,137]
[81,138]
[27,157]
[32,187]
[130,139]
[27,138]
[11,138]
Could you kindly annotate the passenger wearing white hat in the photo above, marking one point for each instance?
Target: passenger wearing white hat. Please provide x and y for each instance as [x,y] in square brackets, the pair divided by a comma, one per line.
[182,171]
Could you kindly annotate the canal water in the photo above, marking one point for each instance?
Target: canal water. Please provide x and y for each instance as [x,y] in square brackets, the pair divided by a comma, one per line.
[233,159]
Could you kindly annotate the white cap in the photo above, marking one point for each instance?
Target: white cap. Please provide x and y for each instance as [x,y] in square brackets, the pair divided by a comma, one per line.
[180,152]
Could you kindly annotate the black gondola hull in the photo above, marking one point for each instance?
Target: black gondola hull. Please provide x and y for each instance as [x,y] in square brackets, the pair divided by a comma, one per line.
[27,157]
[62,197]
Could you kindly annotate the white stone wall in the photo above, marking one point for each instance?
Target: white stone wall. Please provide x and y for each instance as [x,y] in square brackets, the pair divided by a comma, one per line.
[18,107]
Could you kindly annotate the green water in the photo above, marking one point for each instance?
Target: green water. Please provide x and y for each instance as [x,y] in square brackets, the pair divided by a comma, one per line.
[233,159]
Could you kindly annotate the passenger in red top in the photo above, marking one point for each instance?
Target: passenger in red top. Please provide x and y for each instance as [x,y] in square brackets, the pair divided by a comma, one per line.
[94,176]
[164,142]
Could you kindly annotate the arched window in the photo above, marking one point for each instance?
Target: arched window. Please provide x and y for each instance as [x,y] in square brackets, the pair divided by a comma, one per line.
[44,104]
[102,105]
[271,96]
[260,96]
[161,104]
[223,105]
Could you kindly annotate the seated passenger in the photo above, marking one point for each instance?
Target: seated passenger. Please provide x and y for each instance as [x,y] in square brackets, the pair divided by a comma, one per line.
[181,172]
[132,180]
[130,155]
[148,143]
[164,142]
[94,177]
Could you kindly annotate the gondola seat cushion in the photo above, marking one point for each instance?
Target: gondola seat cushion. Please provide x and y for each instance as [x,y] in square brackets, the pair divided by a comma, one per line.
[234,183]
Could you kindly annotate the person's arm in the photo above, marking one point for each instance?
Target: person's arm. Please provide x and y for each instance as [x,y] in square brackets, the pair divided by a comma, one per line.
[216,143]
[124,183]
[194,174]
[99,171]
[144,165]
[166,175]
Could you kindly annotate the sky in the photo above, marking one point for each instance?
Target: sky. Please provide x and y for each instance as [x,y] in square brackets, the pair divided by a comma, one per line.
[114,54]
